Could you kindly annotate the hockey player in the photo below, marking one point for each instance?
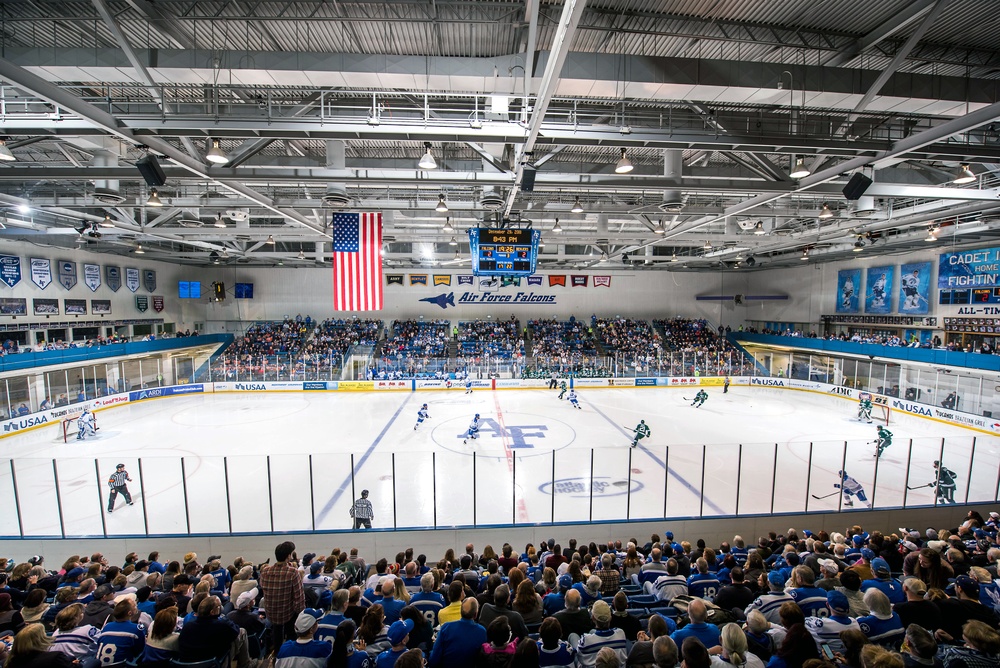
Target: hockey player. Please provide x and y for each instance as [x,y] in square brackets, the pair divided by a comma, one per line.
[884,440]
[562,389]
[421,416]
[573,399]
[847,293]
[865,407]
[878,291]
[85,425]
[468,385]
[945,483]
[699,398]
[851,488]
[641,431]
[725,385]
[911,290]
[473,431]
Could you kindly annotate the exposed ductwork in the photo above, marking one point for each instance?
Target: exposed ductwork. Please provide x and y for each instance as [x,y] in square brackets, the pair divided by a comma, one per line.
[673,200]
[106,191]
[336,193]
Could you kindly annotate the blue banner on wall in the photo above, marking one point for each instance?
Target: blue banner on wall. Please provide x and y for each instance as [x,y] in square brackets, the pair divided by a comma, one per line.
[914,288]
[10,270]
[878,290]
[969,269]
[848,289]
[154,392]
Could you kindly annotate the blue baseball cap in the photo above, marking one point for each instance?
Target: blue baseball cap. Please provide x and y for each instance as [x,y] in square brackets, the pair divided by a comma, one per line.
[879,565]
[565,581]
[867,554]
[858,540]
[838,601]
[776,578]
[669,536]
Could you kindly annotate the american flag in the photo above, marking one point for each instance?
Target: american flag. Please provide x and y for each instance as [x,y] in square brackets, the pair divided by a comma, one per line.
[357,262]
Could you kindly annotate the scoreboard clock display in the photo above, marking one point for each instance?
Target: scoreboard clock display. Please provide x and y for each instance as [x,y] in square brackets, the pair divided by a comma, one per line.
[504,252]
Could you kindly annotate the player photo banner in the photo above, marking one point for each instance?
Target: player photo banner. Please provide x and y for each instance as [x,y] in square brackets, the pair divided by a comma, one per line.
[45,306]
[10,270]
[113,277]
[131,278]
[848,287]
[13,306]
[393,279]
[418,279]
[534,280]
[67,274]
[142,303]
[558,279]
[466,280]
[878,290]
[41,273]
[602,281]
[92,276]
[579,281]
[75,306]
[149,280]
[100,306]
[442,279]
[914,288]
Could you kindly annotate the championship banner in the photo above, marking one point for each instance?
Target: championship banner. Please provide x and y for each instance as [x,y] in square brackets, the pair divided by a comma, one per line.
[559,279]
[113,277]
[141,303]
[602,281]
[131,278]
[10,270]
[848,288]
[466,280]
[534,280]
[67,274]
[393,279]
[442,279]
[92,276]
[915,287]
[41,273]
[157,303]
[579,281]
[878,292]
[149,280]
[418,279]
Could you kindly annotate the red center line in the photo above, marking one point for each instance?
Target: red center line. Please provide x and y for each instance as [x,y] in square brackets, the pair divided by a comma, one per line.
[522,509]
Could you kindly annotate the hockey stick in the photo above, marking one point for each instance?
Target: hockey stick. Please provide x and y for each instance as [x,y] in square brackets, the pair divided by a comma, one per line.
[930,484]
[827,496]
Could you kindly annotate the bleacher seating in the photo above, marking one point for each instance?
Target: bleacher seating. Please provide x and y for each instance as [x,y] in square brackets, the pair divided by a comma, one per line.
[416,338]
[478,339]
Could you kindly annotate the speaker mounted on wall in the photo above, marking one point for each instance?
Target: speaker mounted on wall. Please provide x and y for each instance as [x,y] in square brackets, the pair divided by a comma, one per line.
[857,186]
[151,171]
[528,179]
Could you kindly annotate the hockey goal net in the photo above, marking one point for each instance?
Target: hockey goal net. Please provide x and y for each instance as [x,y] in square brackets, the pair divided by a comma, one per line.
[71,429]
[881,413]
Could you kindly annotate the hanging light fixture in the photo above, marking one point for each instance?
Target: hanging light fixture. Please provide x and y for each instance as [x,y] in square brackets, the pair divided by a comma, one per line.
[964,175]
[659,229]
[557,228]
[442,206]
[80,239]
[673,258]
[225,253]
[138,250]
[799,170]
[447,225]
[825,212]
[24,208]
[453,242]
[758,229]
[708,245]
[5,153]
[154,198]
[427,160]
[219,221]
[270,240]
[577,207]
[624,165]
[107,222]
[859,245]
[216,155]
[301,255]
[930,235]
[805,254]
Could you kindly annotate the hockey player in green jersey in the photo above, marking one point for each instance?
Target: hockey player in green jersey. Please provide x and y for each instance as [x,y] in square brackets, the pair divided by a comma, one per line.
[699,398]
[865,407]
[641,431]
[884,440]
[562,389]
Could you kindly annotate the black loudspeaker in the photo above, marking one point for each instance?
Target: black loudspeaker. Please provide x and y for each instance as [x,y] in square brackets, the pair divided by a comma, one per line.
[528,179]
[857,186]
[220,291]
[150,169]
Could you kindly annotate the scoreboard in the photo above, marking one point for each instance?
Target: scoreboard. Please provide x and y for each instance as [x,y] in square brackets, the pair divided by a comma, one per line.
[504,252]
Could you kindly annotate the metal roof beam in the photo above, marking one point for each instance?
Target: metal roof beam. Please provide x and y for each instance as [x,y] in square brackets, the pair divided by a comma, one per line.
[899,20]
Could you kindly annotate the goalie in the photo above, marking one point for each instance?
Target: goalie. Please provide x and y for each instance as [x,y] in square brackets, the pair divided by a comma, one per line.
[865,407]
[85,425]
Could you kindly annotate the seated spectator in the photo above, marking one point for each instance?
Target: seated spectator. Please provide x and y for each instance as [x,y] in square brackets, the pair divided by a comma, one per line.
[734,650]
[10,619]
[304,651]
[883,626]
[826,629]
[34,606]
[916,609]
[163,641]
[920,649]
[458,642]
[211,636]
[769,603]
[121,639]
[245,617]
[499,650]
[572,619]
[982,645]
[528,604]
[552,649]
[707,633]
[620,619]
[30,649]
[71,637]
[602,637]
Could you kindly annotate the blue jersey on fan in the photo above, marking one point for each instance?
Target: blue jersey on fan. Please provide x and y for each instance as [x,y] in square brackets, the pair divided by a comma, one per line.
[120,641]
[886,632]
[562,656]
[429,604]
[295,654]
[812,600]
[703,586]
[892,589]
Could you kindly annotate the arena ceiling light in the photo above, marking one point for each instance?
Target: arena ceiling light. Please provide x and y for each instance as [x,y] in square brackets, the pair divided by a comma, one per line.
[270,240]
[154,198]
[825,212]
[673,258]
[931,235]
[659,229]
[216,155]
[577,207]
[453,241]
[447,225]
[859,246]
[624,165]
[427,160]
[799,170]
[138,250]
[301,255]
[805,254]
[557,228]
[107,222]
[219,221]
[758,229]
[964,175]
[442,206]
[5,153]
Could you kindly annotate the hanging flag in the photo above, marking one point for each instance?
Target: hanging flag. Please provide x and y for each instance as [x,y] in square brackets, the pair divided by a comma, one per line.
[149,279]
[357,262]
[113,275]
[92,276]
[41,274]
[10,270]
[442,279]
[534,280]
[602,281]
[132,278]
[67,274]
[466,280]
[418,279]
[393,279]
[579,281]
[557,279]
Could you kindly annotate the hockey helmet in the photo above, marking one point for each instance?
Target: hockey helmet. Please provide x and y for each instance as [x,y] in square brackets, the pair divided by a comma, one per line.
[477,415]
[120,466]
[364,494]
[642,422]
[936,463]
[842,474]
[424,406]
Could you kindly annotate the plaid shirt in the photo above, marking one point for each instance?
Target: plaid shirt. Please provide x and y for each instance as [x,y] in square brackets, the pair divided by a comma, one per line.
[284,598]
[610,580]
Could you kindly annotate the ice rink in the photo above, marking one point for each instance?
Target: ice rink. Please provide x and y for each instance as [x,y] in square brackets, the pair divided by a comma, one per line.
[256,462]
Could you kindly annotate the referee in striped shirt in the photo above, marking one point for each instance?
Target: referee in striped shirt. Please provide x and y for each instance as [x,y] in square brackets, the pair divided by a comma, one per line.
[117,484]
[362,511]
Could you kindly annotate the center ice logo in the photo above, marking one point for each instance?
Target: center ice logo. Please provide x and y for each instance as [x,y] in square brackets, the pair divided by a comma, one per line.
[516,433]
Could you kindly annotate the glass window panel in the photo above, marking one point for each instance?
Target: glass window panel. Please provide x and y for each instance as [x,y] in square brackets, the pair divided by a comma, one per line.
[8,518]
[453,491]
[683,483]
[20,397]
[571,486]
[957,458]
[162,485]
[126,520]
[494,492]
[721,478]
[920,489]
[611,484]
[648,482]
[827,460]
[36,491]
[791,490]
[249,506]
[415,483]
[755,488]
[55,384]
[290,495]
[332,491]
[986,463]
[80,496]
[206,494]
[376,477]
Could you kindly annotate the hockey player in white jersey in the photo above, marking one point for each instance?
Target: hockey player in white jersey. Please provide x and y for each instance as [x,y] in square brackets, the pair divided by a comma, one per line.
[910,284]
[85,426]
[473,431]
[422,415]
[851,488]
[573,399]
[468,385]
